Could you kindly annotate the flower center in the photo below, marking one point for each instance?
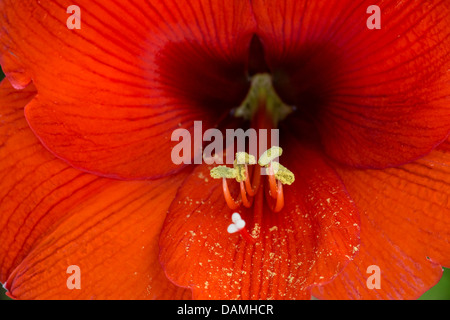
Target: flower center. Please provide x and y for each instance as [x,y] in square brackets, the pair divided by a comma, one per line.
[263,98]
[264,108]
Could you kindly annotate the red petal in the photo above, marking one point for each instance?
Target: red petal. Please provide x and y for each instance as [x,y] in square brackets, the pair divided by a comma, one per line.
[135,72]
[54,216]
[378,97]
[308,242]
[404,229]
[113,239]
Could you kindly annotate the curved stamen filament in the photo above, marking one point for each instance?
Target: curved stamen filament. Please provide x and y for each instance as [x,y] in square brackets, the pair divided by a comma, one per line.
[248,186]
[272,182]
[252,187]
[232,204]
[245,201]
[279,204]
[250,179]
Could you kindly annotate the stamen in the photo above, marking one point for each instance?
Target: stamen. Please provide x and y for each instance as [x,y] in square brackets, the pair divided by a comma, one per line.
[282,173]
[270,155]
[277,176]
[223,172]
[232,204]
[280,198]
[256,178]
[241,173]
[276,204]
[245,158]
[245,201]
[265,109]
[250,190]
[240,165]
[272,182]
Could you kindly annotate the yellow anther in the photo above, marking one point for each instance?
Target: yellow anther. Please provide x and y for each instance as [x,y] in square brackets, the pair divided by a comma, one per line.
[241,173]
[270,155]
[244,158]
[223,172]
[283,174]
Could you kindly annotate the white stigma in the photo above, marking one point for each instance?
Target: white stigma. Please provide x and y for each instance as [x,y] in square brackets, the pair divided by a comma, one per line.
[237,225]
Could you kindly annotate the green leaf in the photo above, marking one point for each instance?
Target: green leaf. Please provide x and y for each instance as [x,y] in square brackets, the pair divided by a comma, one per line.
[441,291]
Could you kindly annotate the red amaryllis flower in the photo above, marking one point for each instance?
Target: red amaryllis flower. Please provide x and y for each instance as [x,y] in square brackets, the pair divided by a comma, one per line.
[87,175]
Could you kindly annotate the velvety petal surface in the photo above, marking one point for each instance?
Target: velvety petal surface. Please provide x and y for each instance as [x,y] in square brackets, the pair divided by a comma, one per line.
[379,98]
[308,242]
[54,216]
[133,73]
[405,214]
